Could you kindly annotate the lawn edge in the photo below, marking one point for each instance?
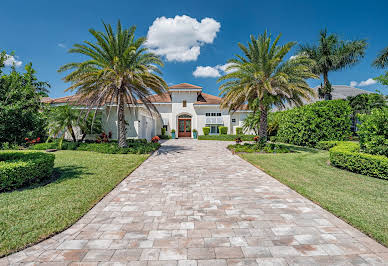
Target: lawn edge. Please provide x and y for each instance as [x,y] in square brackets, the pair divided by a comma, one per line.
[317,203]
[94,204]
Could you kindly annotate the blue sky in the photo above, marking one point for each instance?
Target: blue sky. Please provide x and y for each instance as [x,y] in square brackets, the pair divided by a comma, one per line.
[41,32]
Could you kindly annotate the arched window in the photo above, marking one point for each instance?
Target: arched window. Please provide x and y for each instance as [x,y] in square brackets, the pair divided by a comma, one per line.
[184,116]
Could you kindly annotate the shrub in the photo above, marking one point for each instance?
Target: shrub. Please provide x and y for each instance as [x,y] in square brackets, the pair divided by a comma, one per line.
[163,131]
[155,139]
[21,168]
[239,131]
[164,137]
[267,148]
[226,137]
[223,130]
[44,146]
[347,155]
[206,130]
[320,121]
[373,132]
[326,145]
[134,147]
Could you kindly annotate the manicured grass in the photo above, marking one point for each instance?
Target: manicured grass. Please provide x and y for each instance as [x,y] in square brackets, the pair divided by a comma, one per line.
[360,200]
[226,137]
[80,180]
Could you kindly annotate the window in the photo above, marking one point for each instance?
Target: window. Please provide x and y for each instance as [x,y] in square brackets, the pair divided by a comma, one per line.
[213,114]
[184,103]
[218,114]
[233,120]
[165,127]
[207,114]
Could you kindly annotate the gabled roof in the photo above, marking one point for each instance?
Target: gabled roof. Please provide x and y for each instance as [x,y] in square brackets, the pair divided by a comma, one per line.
[185,86]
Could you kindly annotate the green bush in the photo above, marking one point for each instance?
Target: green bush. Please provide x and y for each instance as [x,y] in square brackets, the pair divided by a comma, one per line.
[320,121]
[163,131]
[250,148]
[347,155]
[44,146]
[135,147]
[21,168]
[373,132]
[223,130]
[326,145]
[227,137]
[239,131]
[206,130]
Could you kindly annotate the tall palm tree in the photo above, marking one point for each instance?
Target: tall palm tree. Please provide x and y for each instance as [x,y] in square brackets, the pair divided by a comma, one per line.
[118,69]
[262,78]
[332,54]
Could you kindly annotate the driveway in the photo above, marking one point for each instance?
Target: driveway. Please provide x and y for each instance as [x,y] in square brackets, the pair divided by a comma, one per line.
[194,203]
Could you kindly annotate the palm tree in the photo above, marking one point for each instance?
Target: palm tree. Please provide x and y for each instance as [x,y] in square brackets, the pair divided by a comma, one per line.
[118,69]
[332,54]
[61,119]
[261,78]
[382,59]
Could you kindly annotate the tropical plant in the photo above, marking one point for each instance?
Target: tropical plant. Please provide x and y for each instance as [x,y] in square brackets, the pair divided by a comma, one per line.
[118,69]
[332,54]
[20,94]
[382,62]
[261,78]
[61,119]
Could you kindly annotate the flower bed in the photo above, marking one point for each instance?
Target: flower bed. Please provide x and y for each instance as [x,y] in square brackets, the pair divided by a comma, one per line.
[347,155]
[267,148]
[21,168]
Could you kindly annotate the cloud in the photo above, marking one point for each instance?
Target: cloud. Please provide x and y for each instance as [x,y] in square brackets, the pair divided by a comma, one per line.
[62,45]
[353,83]
[363,83]
[211,72]
[11,60]
[180,38]
[206,72]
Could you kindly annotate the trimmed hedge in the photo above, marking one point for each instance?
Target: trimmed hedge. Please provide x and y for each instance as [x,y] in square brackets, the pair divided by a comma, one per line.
[113,148]
[21,168]
[227,137]
[373,131]
[320,121]
[326,145]
[347,155]
[223,130]
[206,130]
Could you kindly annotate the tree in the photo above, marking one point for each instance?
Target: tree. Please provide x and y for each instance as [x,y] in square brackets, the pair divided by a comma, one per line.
[382,62]
[261,78]
[332,54]
[118,69]
[20,105]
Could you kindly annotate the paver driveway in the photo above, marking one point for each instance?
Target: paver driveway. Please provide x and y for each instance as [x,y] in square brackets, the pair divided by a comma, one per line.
[194,203]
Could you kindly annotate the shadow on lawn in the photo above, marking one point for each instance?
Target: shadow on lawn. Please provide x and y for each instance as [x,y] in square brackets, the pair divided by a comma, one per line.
[298,149]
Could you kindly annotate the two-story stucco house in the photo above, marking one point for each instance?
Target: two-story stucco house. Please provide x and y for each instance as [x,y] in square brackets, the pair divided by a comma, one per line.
[183,108]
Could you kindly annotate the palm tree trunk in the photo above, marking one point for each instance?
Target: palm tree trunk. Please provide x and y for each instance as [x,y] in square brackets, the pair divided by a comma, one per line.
[121,123]
[70,129]
[263,122]
[326,85]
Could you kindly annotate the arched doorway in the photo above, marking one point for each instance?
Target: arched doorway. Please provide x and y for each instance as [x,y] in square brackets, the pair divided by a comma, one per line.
[184,126]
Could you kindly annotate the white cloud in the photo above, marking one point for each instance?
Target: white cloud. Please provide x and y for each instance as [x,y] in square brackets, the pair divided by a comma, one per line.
[363,83]
[211,72]
[367,82]
[180,38]
[11,60]
[62,45]
[206,72]
[353,83]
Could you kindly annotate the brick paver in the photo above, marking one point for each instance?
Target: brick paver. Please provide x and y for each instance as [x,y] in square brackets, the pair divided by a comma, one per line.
[194,203]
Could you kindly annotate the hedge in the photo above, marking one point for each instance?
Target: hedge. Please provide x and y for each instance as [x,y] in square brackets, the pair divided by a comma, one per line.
[206,130]
[223,130]
[227,137]
[239,131]
[21,168]
[347,155]
[113,148]
[326,145]
[320,121]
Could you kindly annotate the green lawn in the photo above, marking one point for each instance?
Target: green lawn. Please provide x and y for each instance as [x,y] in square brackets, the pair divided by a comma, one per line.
[360,200]
[80,180]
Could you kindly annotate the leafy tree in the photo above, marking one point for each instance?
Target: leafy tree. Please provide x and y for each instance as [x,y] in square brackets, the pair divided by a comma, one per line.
[382,62]
[261,78]
[118,69]
[20,105]
[332,54]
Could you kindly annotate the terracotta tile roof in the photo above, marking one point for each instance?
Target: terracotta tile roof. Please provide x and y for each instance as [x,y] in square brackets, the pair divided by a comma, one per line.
[185,86]
[163,98]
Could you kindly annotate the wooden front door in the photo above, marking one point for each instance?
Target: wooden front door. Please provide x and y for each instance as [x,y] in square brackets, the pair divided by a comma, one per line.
[184,127]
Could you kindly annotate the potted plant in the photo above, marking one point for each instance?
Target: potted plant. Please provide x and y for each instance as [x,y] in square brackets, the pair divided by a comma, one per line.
[173,133]
[195,133]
